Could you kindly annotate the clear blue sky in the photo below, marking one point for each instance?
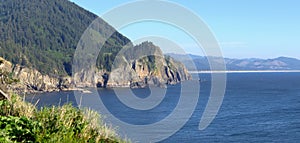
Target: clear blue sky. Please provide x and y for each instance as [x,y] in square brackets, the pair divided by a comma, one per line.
[244,28]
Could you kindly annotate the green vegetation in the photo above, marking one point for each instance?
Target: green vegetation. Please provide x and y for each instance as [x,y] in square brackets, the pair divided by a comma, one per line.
[22,122]
[146,53]
[44,34]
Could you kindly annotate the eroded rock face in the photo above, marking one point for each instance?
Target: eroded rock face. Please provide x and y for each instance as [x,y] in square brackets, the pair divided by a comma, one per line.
[34,80]
[30,80]
[134,67]
[5,65]
[144,65]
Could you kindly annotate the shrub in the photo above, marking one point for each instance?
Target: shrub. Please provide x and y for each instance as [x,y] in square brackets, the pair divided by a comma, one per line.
[20,129]
[22,122]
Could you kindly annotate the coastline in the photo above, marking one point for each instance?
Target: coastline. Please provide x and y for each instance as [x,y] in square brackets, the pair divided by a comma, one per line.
[86,90]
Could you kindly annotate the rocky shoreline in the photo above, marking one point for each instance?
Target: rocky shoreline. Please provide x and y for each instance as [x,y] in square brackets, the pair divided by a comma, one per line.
[135,74]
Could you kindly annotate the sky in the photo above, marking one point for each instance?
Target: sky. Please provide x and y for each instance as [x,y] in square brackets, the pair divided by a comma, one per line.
[243,28]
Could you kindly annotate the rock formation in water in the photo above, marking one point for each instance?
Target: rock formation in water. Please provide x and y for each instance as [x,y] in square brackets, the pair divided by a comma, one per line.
[136,66]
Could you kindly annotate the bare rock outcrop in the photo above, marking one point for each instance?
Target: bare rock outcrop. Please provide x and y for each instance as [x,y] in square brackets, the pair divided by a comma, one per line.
[29,79]
[134,67]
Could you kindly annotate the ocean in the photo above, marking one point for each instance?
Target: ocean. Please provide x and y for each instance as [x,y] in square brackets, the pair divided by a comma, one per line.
[257,107]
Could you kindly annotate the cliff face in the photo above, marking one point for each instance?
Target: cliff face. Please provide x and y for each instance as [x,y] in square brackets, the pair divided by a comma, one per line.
[134,67]
[29,79]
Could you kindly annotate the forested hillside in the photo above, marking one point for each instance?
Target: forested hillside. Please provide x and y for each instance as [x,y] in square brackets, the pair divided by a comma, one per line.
[43,34]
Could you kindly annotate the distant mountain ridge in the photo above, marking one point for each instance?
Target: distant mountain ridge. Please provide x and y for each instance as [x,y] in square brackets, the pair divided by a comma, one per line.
[201,63]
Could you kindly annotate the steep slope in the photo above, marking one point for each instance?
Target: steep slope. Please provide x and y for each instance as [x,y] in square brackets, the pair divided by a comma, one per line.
[147,65]
[43,34]
[39,38]
[136,66]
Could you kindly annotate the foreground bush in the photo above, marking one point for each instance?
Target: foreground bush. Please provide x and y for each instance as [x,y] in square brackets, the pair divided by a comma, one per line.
[22,122]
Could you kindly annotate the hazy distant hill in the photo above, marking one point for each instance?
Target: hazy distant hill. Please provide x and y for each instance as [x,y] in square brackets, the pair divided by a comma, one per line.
[201,63]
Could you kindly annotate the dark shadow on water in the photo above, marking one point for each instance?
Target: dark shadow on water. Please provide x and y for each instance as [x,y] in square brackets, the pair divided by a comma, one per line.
[52,99]
[143,117]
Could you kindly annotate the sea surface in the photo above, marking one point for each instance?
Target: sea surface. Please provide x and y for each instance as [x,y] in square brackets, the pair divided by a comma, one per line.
[257,107]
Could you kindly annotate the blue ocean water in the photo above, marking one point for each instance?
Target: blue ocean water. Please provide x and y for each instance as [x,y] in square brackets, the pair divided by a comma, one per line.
[257,107]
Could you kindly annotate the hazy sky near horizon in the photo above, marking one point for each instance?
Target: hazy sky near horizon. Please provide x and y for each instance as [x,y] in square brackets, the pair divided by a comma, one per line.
[244,29]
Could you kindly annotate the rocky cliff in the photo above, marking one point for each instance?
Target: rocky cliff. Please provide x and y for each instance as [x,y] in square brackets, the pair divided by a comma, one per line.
[29,79]
[133,67]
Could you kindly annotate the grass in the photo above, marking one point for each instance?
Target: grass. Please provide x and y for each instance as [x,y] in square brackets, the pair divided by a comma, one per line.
[23,122]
